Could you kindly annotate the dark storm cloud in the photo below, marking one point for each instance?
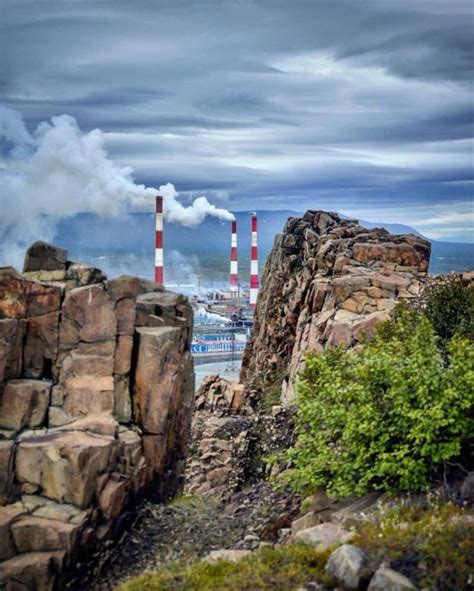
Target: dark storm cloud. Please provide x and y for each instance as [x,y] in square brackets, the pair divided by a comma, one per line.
[365,107]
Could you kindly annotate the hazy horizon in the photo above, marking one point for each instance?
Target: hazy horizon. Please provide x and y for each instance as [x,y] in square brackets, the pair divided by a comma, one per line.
[363,108]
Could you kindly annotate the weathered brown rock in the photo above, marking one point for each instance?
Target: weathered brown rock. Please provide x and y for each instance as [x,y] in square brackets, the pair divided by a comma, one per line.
[87,315]
[327,282]
[6,468]
[65,465]
[20,298]
[41,345]
[123,355]
[13,298]
[11,343]
[73,276]
[79,275]
[130,450]
[69,351]
[164,309]
[86,375]
[217,394]
[122,398]
[33,570]
[8,516]
[123,292]
[154,452]
[24,403]
[58,511]
[37,534]
[159,377]
[113,497]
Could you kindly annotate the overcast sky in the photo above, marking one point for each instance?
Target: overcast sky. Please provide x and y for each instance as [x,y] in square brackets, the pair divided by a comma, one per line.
[360,106]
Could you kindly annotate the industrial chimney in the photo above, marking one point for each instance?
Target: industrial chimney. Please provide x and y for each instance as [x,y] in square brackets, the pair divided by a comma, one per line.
[254,264]
[159,278]
[234,272]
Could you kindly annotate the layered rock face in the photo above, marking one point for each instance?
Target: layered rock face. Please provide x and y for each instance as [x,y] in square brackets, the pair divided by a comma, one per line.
[229,440]
[327,282]
[96,402]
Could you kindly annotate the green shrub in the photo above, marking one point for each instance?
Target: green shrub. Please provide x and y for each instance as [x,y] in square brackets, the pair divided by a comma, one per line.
[450,308]
[385,416]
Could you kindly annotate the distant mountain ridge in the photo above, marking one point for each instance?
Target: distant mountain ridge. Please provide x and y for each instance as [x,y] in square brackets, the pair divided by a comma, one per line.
[211,236]
[87,234]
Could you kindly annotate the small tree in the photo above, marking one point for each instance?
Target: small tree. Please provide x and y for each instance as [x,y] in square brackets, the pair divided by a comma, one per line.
[450,308]
[382,417]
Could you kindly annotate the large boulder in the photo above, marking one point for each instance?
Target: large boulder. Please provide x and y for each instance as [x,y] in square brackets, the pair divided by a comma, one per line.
[349,565]
[42,256]
[65,465]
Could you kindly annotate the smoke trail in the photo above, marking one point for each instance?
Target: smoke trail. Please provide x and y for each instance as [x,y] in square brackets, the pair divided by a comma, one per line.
[60,170]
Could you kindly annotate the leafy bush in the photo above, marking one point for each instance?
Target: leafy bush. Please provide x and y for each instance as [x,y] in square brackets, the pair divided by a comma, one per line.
[384,416]
[450,308]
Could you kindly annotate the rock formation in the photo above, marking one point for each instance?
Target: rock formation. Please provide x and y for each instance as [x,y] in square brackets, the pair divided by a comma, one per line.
[229,440]
[96,401]
[327,282]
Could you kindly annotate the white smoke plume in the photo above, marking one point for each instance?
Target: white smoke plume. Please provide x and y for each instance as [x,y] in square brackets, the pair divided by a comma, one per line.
[60,170]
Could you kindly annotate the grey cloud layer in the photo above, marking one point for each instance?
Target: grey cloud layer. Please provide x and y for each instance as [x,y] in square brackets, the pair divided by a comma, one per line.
[365,107]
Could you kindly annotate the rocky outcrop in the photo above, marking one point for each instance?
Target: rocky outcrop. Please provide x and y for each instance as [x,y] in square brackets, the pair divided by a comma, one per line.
[230,441]
[96,401]
[327,282]
[221,396]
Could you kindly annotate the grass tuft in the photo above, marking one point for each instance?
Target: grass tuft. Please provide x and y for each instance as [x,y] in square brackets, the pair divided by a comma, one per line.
[432,544]
[283,568]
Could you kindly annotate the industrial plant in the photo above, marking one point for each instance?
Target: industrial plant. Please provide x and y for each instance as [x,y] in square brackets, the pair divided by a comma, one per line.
[223,318]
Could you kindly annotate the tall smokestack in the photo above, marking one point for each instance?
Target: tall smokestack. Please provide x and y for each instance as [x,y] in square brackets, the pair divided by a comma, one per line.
[234,270]
[254,264]
[159,277]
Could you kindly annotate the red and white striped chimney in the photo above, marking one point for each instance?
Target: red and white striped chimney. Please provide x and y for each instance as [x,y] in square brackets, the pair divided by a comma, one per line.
[254,264]
[159,277]
[234,269]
